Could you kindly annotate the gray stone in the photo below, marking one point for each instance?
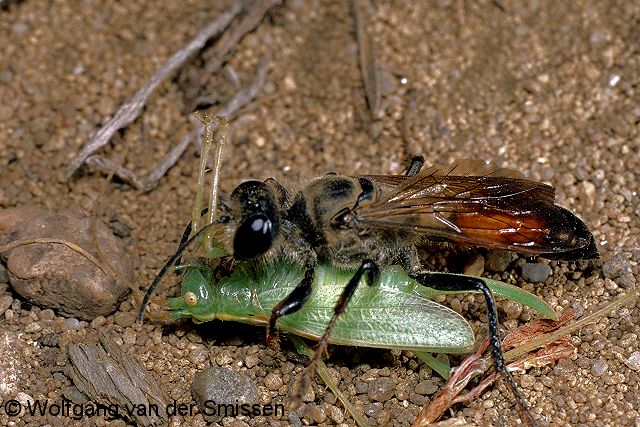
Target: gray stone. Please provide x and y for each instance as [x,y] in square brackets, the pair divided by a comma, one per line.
[533,272]
[220,386]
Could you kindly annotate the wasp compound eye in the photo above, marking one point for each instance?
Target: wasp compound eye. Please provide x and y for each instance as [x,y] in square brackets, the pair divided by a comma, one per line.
[253,237]
[256,206]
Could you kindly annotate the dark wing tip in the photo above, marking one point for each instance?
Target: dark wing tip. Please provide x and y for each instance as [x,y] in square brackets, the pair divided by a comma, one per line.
[570,238]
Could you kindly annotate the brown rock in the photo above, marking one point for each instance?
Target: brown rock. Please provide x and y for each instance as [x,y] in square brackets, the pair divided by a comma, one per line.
[52,275]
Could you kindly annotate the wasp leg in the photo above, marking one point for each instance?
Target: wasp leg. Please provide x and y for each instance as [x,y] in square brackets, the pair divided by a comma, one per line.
[370,271]
[415,164]
[447,282]
[290,304]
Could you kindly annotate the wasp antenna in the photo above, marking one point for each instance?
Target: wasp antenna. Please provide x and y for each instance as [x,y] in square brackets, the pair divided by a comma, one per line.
[184,244]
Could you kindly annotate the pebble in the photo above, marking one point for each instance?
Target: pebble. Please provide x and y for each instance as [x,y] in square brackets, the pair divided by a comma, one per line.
[129,336]
[222,386]
[535,272]
[499,261]
[251,360]
[474,266]
[426,387]
[616,267]
[73,324]
[599,367]
[633,362]
[198,354]
[372,409]
[124,319]
[46,314]
[54,276]
[336,415]
[33,327]
[381,389]
[587,194]
[319,414]
[98,322]
[273,381]
[5,303]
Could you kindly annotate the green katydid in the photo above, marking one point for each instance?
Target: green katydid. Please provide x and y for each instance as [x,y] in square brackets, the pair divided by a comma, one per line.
[397,313]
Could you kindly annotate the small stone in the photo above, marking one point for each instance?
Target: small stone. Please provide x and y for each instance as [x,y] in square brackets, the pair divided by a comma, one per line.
[474,266]
[49,340]
[32,328]
[587,194]
[198,354]
[273,382]
[125,319]
[53,275]
[633,362]
[616,267]
[361,386]
[129,336]
[75,395]
[98,322]
[372,409]
[119,228]
[46,314]
[251,360]
[534,272]
[319,414]
[599,367]
[224,358]
[224,387]
[73,324]
[381,389]
[336,415]
[499,261]
[5,303]
[426,387]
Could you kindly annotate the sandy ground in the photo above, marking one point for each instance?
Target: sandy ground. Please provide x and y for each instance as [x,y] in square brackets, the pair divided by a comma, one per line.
[547,88]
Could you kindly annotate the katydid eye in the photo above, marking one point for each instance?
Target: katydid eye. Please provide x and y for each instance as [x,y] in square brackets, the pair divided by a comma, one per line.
[190,299]
[254,237]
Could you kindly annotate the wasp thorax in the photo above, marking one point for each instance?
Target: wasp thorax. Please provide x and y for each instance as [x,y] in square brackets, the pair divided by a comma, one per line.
[259,219]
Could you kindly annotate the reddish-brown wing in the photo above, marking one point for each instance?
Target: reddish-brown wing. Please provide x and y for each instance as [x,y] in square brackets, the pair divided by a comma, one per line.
[475,203]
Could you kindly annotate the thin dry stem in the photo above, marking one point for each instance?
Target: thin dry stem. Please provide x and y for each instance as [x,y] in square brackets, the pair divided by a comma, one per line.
[231,38]
[366,48]
[130,110]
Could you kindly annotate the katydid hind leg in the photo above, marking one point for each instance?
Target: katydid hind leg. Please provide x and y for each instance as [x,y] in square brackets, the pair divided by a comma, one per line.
[370,271]
[447,282]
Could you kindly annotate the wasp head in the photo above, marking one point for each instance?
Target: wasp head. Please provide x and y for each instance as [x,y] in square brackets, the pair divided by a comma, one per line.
[253,206]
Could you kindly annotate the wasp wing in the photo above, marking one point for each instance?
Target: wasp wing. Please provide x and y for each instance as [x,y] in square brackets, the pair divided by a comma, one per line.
[476,203]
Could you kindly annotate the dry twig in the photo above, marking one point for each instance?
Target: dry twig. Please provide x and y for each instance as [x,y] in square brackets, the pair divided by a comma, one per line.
[230,38]
[239,100]
[130,110]
[368,66]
